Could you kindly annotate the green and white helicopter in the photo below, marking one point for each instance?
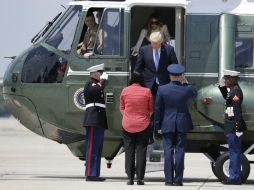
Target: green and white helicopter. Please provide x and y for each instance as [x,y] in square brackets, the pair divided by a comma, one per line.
[43,86]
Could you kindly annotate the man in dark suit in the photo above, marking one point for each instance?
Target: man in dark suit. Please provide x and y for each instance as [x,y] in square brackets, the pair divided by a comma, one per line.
[153,60]
[173,121]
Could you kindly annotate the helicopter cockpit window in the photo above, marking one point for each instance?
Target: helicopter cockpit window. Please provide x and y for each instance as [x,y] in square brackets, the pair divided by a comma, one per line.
[244,53]
[102,33]
[112,27]
[43,66]
[62,37]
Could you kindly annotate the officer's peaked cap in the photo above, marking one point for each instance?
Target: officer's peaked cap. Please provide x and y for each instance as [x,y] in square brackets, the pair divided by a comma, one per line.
[176,69]
[228,73]
[96,68]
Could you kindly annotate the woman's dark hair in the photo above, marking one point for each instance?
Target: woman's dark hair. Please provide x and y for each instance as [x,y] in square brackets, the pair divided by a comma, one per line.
[137,77]
[154,16]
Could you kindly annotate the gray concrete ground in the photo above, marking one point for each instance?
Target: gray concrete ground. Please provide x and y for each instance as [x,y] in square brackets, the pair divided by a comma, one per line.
[30,162]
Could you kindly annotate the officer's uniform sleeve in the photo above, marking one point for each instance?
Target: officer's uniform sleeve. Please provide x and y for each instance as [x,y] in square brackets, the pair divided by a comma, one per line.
[193,91]
[236,97]
[159,110]
[223,91]
[97,87]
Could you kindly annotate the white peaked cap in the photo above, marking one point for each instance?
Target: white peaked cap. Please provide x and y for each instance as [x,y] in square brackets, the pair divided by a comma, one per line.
[96,68]
[231,73]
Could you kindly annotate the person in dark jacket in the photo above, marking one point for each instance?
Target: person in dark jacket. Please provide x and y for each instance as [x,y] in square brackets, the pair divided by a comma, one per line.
[234,125]
[95,121]
[173,121]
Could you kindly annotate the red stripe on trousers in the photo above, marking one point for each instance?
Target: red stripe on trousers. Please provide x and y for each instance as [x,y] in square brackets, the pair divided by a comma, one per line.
[90,152]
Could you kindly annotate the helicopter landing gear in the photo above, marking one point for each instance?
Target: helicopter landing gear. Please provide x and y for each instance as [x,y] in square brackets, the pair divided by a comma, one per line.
[219,157]
[213,168]
[221,167]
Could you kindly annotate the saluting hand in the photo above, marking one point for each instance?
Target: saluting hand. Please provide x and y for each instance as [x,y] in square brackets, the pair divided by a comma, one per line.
[104,76]
[184,80]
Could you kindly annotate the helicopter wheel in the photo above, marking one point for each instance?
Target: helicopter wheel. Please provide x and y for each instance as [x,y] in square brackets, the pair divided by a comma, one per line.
[221,167]
[213,168]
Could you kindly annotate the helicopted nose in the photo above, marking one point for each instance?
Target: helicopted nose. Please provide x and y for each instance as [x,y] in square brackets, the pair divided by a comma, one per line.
[20,107]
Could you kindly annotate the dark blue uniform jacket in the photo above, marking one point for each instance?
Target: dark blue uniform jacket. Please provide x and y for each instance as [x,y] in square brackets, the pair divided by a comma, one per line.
[171,107]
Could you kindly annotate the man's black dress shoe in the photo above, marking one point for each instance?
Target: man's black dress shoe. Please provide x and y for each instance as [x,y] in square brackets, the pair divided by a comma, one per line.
[232,182]
[95,178]
[178,184]
[168,183]
[140,182]
[130,182]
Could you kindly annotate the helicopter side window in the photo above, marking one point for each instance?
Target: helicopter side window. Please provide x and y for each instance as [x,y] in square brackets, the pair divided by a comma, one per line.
[43,66]
[244,53]
[112,26]
[63,36]
[90,31]
[102,33]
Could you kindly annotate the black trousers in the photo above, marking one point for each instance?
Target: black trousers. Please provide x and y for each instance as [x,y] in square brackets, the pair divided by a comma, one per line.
[135,145]
[154,90]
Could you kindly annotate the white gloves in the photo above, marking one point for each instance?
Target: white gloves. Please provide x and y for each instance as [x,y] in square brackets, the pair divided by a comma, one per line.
[104,76]
[222,82]
[238,134]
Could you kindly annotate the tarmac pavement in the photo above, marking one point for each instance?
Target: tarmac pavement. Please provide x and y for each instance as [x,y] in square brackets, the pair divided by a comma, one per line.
[31,162]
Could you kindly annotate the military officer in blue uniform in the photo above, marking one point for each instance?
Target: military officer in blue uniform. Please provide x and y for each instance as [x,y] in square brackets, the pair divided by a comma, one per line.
[234,124]
[95,121]
[173,121]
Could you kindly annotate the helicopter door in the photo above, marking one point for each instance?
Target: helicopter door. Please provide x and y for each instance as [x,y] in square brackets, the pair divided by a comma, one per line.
[145,19]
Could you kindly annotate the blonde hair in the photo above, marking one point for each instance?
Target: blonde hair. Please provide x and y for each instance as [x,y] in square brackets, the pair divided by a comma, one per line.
[156,37]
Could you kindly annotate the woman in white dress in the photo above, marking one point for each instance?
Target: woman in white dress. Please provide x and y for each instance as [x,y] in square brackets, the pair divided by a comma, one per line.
[154,24]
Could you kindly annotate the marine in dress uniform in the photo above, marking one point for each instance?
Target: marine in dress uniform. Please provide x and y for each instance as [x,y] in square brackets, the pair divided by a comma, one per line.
[173,120]
[95,121]
[234,124]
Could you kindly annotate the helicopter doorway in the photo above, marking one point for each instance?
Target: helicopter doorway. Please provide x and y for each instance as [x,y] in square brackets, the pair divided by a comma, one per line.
[170,21]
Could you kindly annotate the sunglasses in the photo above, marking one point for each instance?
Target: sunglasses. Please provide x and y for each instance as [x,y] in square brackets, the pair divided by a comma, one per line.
[155,22]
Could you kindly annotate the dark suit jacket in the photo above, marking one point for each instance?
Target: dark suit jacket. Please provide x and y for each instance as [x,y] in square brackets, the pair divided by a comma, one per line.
[145,64]
[171,107]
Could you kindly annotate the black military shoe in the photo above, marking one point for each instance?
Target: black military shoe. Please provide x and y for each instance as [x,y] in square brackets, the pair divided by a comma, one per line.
[95,178]
[140,182]
[178,184]
[232,182]
[168,183]
[130,182]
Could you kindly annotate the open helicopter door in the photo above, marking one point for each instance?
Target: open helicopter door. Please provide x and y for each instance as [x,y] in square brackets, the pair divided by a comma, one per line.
[172,16]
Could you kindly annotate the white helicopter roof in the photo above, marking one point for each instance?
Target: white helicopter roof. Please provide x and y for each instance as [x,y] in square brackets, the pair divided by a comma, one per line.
[245,7]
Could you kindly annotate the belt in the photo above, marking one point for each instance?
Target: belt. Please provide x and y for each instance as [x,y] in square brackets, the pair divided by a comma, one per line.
[95,104]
